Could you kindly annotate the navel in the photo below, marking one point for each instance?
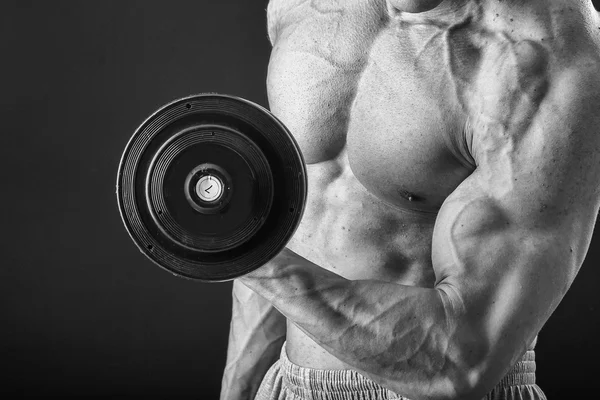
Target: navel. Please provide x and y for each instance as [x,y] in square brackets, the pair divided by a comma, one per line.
[412,197]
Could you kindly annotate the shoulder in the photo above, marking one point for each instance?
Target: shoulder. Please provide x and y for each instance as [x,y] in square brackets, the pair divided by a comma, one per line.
[276,9]
[320,15]
[534,92]
[541,70]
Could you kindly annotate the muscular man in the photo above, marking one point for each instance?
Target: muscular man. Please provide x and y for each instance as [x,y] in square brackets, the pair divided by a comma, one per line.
[453,157]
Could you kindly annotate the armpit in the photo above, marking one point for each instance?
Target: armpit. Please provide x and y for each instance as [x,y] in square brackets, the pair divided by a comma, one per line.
[511,82]
[531,62]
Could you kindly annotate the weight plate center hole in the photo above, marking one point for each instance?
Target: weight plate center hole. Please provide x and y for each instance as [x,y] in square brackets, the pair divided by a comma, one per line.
[209,188]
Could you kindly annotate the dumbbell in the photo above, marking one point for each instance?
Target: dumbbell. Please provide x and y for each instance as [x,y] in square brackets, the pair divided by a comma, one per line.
[211,187]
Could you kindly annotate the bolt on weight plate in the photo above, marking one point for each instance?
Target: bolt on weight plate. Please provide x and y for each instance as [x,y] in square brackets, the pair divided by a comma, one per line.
[207,184]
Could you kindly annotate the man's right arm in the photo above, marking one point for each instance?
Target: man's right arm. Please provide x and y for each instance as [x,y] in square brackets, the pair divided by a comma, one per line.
[256,336]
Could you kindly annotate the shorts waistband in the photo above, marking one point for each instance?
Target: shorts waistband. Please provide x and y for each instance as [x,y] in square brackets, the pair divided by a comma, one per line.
[322,384]
[522,373]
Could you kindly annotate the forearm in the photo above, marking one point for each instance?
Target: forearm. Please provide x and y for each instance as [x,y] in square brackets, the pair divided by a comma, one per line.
[256,335]
[397,335]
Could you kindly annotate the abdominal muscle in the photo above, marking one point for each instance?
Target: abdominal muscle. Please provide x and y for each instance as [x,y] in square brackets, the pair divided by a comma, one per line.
[349,231]
[358,102]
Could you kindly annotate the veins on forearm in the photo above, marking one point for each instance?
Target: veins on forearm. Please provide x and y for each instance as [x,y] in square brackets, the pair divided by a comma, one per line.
[380,328]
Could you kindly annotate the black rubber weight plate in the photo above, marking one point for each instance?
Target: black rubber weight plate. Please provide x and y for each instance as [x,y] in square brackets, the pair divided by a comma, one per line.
[255,161]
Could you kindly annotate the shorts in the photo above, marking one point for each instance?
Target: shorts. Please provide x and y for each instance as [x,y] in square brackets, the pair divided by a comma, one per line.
[287,381]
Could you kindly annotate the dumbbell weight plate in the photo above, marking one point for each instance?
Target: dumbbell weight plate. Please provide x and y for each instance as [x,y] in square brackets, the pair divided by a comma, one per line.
[211,187]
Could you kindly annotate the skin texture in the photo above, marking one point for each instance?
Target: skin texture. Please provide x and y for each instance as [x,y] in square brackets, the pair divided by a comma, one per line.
[256,335]
[454,167]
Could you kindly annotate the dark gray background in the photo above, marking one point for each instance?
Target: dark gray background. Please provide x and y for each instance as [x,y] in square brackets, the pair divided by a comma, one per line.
[82,312]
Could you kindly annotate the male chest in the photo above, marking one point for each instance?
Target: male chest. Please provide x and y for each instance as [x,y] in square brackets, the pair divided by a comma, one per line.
[377,96]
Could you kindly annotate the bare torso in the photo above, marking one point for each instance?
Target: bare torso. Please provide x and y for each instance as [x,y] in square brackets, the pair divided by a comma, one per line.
[379,102]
